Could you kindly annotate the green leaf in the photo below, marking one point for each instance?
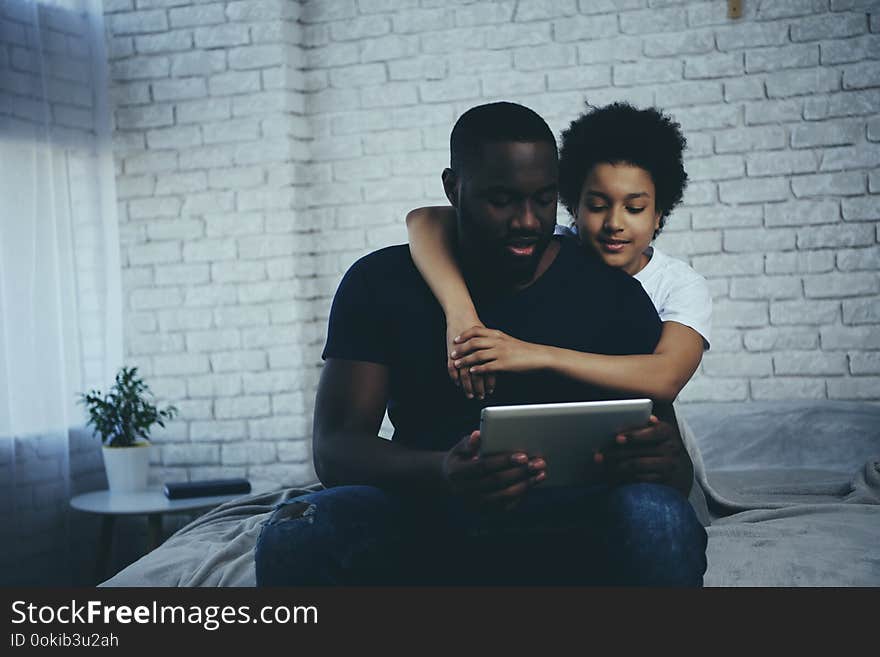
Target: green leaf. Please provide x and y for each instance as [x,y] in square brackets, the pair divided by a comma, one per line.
[124,413]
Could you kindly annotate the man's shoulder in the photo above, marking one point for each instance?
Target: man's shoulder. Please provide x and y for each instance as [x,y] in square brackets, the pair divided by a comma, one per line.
[388,256]
[605,306]
[386,264]
[590,270]
[387,276]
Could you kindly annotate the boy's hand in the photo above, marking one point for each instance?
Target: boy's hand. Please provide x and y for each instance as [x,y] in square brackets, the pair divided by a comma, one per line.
[483,351]
[653,453]
[497,480]
[473,385]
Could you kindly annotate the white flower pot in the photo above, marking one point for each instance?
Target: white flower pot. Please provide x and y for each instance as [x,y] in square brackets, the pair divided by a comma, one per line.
[127,468]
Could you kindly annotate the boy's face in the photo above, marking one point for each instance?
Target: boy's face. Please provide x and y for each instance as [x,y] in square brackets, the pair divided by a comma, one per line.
[617,215]
[507,206]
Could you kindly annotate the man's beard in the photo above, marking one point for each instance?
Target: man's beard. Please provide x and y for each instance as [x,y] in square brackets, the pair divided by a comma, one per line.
[521,269]
[494,259]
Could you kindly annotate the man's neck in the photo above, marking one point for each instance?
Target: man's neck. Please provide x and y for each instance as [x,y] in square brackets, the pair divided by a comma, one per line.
[485,282]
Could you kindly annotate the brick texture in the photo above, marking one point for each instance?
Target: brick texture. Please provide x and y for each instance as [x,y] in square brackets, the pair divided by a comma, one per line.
[210,127]
[264,145]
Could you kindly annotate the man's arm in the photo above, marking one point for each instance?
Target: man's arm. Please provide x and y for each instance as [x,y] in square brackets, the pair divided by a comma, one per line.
[347,450]
[651,454]
[349,409]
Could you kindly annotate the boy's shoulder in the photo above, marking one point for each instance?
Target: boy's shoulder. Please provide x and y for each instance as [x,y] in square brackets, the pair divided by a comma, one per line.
[663,265]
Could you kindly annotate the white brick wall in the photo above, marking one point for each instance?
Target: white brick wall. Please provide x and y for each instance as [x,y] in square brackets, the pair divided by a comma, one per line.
[210,121]
[264,145]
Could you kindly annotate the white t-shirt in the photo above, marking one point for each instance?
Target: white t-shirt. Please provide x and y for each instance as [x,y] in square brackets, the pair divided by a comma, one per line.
[678,292]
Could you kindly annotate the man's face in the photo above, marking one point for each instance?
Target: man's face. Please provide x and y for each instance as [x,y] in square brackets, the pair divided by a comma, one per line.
[506,204]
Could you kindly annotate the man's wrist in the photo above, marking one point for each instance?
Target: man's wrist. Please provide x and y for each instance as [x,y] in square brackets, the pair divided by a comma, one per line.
[435,481]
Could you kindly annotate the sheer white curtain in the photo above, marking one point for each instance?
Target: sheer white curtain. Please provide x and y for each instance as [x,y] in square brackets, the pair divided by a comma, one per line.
[60,308]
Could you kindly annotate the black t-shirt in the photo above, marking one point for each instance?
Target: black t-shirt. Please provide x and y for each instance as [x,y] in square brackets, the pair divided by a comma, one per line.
[384,312]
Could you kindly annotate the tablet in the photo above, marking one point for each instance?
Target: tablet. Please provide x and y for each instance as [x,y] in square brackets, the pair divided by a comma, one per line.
[565,435]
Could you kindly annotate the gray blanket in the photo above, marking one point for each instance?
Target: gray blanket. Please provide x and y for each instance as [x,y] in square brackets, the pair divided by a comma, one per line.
[792,491]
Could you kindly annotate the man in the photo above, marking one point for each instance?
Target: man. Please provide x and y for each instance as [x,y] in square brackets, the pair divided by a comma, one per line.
[426,507]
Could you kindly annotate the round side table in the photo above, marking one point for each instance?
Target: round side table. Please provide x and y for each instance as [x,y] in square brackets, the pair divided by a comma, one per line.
[151,503]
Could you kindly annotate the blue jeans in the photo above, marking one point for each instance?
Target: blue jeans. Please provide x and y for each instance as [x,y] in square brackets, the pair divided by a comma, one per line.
[637,535]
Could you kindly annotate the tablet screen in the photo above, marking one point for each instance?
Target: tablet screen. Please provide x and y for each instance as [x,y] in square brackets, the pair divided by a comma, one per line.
[565,435]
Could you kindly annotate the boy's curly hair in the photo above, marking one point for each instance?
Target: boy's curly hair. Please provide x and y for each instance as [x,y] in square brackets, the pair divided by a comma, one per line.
[621,133]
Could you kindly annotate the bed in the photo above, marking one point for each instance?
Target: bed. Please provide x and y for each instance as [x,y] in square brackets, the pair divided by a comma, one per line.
[790,492]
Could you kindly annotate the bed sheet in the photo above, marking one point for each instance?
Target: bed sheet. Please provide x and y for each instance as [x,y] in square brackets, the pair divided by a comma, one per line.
[793,489]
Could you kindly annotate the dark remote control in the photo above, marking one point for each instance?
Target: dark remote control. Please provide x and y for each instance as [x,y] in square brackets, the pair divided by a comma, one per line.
[175,490]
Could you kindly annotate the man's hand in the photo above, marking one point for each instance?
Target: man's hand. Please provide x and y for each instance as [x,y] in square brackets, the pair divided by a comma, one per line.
[495,481]
[485,351]
[653,453]
[473,385]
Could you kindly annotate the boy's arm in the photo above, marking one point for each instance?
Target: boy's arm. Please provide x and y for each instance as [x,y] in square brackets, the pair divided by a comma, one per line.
[432,244]
[659,376]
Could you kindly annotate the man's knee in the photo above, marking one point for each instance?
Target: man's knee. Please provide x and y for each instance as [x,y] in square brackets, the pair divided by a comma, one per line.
[658,530]
[342,504]
[649,506]
[308,539]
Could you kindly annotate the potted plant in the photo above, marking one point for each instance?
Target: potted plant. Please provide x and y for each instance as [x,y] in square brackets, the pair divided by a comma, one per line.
[123,418]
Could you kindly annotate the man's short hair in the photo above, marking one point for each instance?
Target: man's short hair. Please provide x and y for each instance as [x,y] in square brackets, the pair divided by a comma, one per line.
[492,123]
[620,133]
